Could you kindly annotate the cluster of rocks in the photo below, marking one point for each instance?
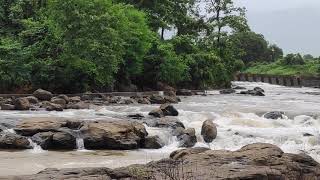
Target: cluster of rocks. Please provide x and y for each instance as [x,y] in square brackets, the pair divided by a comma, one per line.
[257,91]
[254,161]
[46,100]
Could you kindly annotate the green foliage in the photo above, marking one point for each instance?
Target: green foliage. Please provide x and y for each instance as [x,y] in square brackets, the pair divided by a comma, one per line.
[293,59]
[310,68]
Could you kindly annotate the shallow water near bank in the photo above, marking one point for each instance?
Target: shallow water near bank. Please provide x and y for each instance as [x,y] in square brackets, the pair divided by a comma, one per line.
[238,117]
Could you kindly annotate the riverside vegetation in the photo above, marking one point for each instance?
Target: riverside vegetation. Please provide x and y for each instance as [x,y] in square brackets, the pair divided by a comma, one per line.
[103,45]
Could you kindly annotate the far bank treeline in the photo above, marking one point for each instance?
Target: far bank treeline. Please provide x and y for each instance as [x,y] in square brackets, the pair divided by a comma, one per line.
[122,45]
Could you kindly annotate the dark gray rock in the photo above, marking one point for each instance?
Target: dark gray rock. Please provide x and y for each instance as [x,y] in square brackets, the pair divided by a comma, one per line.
[153,142]
[274,115]
[227,91]
[187,138]
[184,92]
[157,99]
[259,89]
[169,110]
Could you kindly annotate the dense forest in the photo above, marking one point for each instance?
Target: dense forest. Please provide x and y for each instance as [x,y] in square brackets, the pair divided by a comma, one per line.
[71,46]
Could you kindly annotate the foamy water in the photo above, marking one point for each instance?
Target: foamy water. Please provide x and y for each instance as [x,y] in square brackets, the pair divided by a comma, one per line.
[239,120]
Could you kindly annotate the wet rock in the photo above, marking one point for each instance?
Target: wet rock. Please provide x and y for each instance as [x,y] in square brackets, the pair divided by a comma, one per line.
[169,110]
[227,91]
[33,100]
[253,93]
[117,135]
[136,116]
[63,140]
[307,135]
[165,87]
[165,122]
[156,113]
[13,141]
[184,92]
[59,101]
[21,104]
[164,110]
[208,131]
[259,89]
[53,107]
[153,142]
[187,138]
[274,115]
[238,87]
[75,99]
[157,99]
[114,99]
[43,139]
[79,105]
[7,107]
[143,100]
[171,99]
[43,95]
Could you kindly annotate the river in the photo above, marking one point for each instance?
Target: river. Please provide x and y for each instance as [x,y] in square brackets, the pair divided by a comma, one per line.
[238,118]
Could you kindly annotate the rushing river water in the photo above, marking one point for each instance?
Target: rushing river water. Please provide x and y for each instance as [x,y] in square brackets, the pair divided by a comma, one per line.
[239,119]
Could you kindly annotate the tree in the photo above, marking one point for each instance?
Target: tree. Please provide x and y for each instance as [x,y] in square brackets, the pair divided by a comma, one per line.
[293,59]
[275,52]
[249,46]
[308,57]
[223,17]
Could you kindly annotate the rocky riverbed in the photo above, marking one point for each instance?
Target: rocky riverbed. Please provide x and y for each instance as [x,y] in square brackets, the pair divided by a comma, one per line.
[228,134]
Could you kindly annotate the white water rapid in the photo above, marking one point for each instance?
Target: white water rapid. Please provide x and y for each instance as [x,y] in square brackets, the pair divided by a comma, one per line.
[239,120]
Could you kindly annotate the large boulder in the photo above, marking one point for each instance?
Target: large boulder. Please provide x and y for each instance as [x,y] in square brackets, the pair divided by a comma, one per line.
[259,89]
[187,138]
[208,131]
[63,140]
[43,139]
[274,115]
[43,95]
[169,110]
[115,134]
[156,113]
[7,107]
[13,141]
[153,142]
[22,104]
[157,99]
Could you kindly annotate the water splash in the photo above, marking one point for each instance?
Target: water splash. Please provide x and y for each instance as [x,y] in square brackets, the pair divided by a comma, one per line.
[36,149]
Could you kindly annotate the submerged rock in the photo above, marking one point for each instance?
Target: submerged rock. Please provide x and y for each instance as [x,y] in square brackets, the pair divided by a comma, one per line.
[208,131]
[43,95]
[274,115]
[227,91]
[253,93]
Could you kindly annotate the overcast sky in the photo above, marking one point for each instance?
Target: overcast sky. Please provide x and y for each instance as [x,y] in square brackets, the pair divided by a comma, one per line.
[292,24]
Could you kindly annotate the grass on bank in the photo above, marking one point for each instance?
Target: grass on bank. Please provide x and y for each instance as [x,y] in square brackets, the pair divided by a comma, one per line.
[310,68]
